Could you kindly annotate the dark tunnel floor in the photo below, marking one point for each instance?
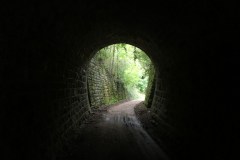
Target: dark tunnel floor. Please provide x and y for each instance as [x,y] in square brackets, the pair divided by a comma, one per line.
[114,133]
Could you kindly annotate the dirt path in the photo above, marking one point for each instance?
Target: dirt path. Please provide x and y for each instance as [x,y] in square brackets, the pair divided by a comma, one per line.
[115,134]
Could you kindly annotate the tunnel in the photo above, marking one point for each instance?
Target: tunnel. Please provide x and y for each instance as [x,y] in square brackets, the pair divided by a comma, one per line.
[46,48]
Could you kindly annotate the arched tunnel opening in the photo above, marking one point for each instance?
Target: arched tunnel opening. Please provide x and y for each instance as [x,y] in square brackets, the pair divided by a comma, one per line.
[120,72]
[101,81]
[46,50]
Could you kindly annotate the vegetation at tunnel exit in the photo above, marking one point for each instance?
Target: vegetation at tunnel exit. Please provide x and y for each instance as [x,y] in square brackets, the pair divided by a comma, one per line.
[128,64]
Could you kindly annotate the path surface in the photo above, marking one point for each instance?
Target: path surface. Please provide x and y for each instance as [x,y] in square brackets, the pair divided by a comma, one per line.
[115,134]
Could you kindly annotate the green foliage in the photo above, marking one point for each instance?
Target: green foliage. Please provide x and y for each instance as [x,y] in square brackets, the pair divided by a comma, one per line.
[110,101]
[128,64]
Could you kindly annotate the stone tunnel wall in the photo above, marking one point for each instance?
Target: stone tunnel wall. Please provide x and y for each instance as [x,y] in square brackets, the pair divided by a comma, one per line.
[72,105]
[103,88]
[45,48]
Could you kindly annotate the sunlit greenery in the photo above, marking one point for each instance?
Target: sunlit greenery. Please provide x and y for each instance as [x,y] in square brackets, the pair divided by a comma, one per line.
[128,64]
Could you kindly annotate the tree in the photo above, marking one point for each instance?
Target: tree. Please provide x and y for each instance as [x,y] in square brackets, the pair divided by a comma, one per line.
[128,64]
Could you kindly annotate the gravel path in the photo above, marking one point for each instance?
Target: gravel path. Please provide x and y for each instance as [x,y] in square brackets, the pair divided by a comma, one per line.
[114,134]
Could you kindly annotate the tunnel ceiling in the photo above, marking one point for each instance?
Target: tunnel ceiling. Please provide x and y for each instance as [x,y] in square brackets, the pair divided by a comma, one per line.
[45,47]
[150,26]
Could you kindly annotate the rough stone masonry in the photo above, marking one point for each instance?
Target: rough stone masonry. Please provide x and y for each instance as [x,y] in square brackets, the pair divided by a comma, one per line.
[45,48]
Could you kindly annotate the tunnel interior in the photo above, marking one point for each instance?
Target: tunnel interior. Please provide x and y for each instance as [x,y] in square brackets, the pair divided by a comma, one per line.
[46,49]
